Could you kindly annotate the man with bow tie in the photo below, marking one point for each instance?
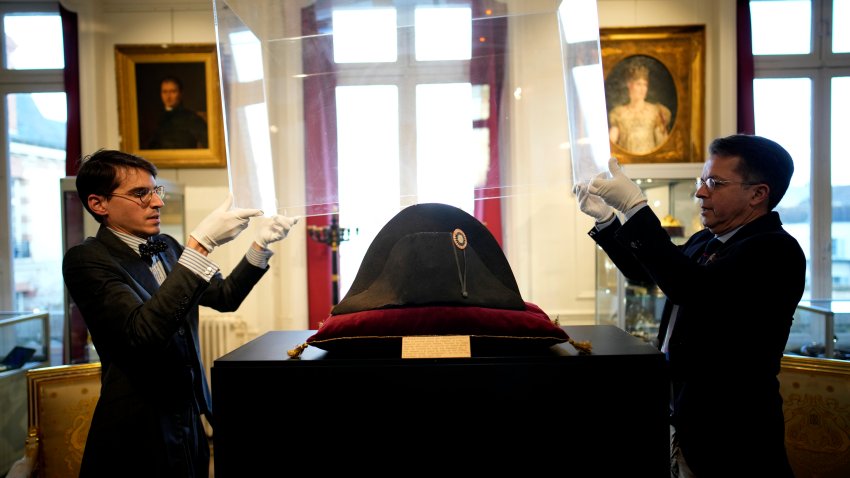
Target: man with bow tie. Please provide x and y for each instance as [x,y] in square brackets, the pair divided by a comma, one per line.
[139,293]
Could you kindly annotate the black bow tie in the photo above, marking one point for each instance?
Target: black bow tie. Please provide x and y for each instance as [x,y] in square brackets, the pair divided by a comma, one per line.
[153,246]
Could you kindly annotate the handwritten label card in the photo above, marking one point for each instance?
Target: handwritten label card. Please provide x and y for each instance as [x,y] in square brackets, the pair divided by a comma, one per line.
[435,346]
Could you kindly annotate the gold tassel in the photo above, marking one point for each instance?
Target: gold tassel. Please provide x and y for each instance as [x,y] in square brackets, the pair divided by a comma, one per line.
[583,347]
[296,352]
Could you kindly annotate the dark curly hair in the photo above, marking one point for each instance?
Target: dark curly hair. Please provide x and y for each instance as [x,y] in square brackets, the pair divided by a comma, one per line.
[97,173]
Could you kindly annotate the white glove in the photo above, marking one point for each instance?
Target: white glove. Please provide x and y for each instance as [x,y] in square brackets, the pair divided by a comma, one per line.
[223,224]
[618,191]
[273,229]
[592,205]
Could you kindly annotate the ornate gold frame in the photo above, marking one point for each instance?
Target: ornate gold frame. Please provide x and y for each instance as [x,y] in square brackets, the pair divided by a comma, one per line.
[681,50]
[127,57]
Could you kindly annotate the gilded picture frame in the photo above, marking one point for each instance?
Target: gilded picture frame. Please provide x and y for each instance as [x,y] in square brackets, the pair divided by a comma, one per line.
[171,137]
[655,93]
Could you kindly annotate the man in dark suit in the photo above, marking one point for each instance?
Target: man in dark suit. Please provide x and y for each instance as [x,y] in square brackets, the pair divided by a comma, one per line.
[140,300]
[729,308]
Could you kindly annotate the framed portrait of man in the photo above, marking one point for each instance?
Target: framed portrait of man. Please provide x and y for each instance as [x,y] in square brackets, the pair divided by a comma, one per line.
[170,104]
[654,92]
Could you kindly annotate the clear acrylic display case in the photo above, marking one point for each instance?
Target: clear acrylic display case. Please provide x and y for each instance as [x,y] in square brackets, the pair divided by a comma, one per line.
[420,94]
[348,111]
[634,307]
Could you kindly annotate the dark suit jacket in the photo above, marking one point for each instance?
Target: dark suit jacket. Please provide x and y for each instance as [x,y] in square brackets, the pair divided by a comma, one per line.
[732,325]
[147,338]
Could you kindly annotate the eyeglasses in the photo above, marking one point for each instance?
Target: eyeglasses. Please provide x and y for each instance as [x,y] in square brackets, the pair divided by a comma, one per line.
[712,183]
[144,196]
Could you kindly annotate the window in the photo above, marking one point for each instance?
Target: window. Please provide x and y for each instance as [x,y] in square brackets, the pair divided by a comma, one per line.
[408,117]
[801,93]
[32,128]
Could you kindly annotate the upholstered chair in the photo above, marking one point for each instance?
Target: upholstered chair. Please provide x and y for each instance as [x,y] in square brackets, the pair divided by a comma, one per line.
[61,403]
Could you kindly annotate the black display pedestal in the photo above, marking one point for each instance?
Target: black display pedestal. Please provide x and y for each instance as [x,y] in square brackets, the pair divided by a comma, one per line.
[603,414]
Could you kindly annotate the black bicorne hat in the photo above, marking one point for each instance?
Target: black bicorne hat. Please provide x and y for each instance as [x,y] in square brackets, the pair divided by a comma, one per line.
[433,254]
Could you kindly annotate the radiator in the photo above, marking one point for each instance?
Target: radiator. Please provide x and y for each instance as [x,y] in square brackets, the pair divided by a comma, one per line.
[219,335]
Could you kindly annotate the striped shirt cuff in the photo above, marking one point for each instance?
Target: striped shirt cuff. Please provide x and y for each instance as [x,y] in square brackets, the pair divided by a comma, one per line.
[198,263]
[258,258]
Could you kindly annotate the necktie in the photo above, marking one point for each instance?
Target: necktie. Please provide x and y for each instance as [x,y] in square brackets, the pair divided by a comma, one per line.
[153,246]
[709,251]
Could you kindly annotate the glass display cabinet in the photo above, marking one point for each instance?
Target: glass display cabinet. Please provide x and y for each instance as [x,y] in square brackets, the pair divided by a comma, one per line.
[636,308]
[30,330]
[821,329]
[31,333]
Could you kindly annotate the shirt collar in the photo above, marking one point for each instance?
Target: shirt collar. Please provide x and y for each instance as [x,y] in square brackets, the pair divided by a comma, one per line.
[129,239]
[725,237]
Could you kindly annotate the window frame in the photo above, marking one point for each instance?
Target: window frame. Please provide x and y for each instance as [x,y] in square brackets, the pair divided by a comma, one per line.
[820,66]
[405,73]
[14,82]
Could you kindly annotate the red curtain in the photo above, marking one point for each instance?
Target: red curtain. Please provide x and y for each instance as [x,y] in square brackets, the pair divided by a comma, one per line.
[70,38]
[76,332]
[320,152]
[746,69]
[487,67]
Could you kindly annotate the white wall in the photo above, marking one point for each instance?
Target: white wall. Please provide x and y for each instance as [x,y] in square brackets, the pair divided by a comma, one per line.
[547,245]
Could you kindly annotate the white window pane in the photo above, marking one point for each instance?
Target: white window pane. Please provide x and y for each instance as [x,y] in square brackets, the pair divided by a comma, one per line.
[33,42]
[481,161]
[840,120]
[445,158]
[841,26]
[783,113]
[443,34]
[247,55]
[480,102]
[365,35]
[840,89]
[368,169]
[36,146]
[781,27]
[259,156]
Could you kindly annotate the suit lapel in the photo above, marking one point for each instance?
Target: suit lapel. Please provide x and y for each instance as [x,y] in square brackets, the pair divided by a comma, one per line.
[129,260]
[168,258]
[694,250]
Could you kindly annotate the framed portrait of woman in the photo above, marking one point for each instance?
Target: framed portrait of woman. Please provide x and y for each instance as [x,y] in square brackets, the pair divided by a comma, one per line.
[169,102]
[654,92]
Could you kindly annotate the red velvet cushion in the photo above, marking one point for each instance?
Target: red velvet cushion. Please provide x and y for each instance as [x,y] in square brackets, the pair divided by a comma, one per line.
[379,331]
